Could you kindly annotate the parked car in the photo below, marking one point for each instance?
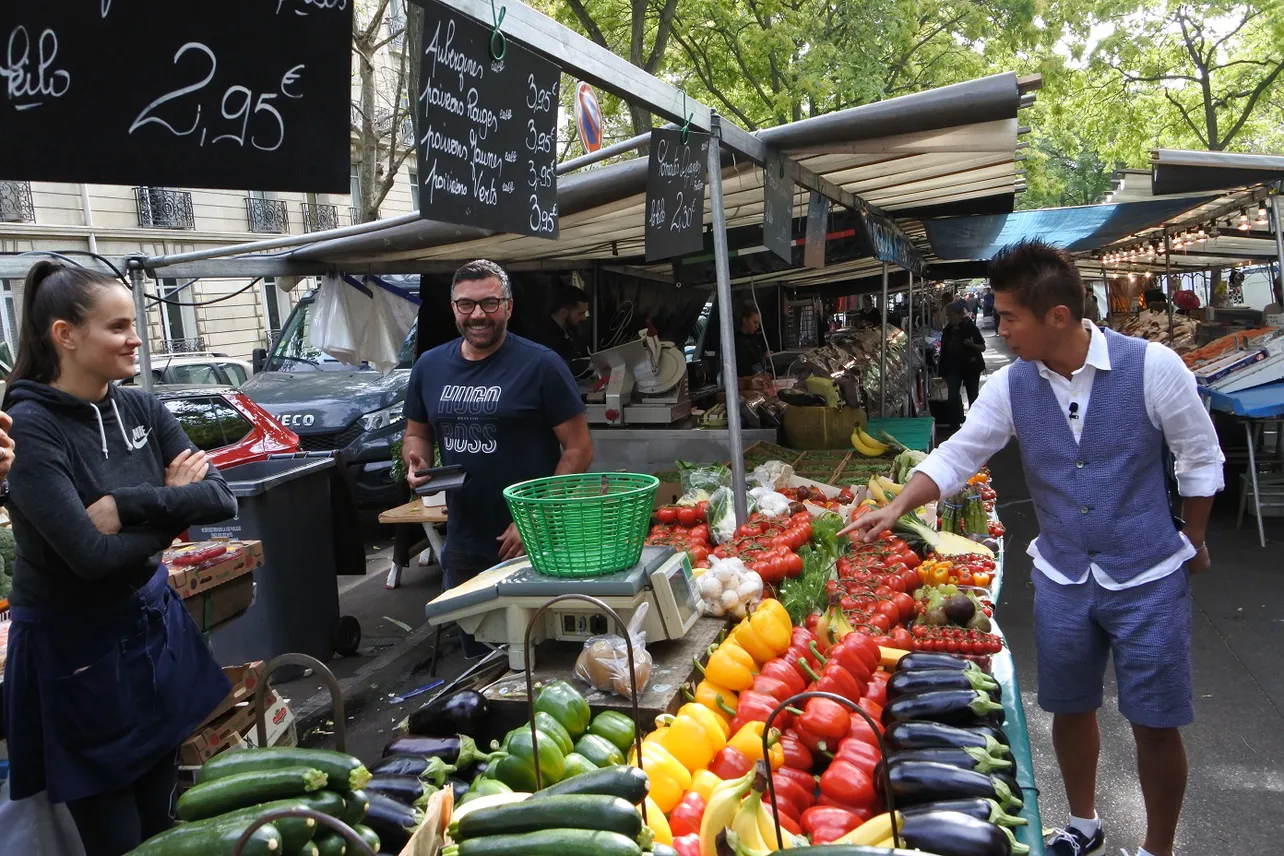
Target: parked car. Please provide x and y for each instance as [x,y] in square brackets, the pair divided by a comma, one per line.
[227,424]
[196,369]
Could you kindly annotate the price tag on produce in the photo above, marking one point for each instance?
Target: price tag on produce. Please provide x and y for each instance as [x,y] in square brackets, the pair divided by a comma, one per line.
[675,181]
[245,95]
[487,129]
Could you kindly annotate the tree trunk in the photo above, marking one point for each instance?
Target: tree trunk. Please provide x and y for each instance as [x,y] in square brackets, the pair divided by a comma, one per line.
[367,206]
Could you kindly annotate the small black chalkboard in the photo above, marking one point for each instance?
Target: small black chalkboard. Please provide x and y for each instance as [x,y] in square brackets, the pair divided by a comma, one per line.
[817,221]
[487,129]
[243,95]
[778,206]
[675,180]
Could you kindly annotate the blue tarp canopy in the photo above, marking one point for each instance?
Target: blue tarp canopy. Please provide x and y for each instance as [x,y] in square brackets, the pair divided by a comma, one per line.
[1080,229]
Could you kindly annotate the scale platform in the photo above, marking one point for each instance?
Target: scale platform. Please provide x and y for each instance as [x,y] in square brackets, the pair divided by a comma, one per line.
[497,605]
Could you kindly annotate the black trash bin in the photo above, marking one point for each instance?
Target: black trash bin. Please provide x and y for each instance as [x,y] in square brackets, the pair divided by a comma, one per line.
[285,503]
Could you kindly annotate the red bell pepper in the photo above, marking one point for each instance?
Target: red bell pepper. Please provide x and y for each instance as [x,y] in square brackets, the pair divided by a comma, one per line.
[800,643]
[851,656]
[688,845]
[859,753]
[837,680]
[797,755]
[794,793]
[876,691]
[825,824]
[785,672]
[813,620]
[823,724]
[848,785]
[830,802]
[873,708]
[756,707]
[730,763]
[787,823]
[865,647]
[861,730]
[686,815]
[772,687]
[806,780]
[787,809]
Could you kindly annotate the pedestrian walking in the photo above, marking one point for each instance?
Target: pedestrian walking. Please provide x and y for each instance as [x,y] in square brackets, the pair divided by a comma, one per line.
[1093,411]
[961,362]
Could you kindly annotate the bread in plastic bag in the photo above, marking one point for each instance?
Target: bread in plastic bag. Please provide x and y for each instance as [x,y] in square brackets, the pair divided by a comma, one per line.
[604,662]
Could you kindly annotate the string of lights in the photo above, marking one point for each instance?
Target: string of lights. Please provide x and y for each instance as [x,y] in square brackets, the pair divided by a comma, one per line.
[1185,239]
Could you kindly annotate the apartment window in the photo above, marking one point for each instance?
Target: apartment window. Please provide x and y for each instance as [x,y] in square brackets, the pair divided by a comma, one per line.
[16,205]
[414,190]
[397,21]
[178,322]
[274,307]
[354,185]
[8,317]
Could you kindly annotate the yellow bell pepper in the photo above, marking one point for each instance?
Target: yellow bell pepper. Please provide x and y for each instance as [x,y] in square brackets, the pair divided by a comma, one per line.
[731,666]
[774,607]
[718,728]
[707,694]
[763,635]
[689,742]
[669,779]
[703,783]
[658,823]
[748,741]
[650,738]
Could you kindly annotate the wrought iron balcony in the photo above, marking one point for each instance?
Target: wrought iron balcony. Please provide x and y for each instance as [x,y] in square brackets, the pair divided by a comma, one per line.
[354,215]
[164,209]
[15,202]
[191,345]
[267,215]
[318,218]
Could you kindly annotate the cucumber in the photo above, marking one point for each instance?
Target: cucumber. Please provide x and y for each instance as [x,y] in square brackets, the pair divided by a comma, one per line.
[368,836]
[296,832]
[243,790]
[355,806]
[591,811]
[627,783]
[331,844]
[213,837]
[326,802]
[344,772]
[549,842]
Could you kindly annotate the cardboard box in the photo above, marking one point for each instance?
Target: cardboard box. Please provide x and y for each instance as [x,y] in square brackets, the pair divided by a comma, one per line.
[243,557]
[245,682]
[222,603]
[279,720]
[667,494]
[217,736]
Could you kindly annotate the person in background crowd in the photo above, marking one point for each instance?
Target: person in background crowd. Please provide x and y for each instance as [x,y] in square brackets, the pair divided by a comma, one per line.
[502,407]
[870,313]
[1093,411]
[558,332]
[751,348]
[1276,306]
[987,303]
[8,449]
[1091,309]
[970,303]
[961,360]
[1155,298]
[107,673]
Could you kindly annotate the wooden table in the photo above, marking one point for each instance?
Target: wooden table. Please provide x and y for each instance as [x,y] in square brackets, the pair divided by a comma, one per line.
[431,517]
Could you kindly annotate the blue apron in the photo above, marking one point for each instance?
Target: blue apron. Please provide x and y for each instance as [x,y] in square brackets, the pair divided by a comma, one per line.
[96,697]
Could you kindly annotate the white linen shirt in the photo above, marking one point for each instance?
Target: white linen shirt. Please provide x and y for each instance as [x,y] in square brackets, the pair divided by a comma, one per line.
[1172,403]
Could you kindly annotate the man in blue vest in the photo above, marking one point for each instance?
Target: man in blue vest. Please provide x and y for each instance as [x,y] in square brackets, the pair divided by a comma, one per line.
[1093,411]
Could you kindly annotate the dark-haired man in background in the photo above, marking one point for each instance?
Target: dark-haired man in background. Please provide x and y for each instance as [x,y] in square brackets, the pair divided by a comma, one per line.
[504,408]
[558,330]
[1110,562]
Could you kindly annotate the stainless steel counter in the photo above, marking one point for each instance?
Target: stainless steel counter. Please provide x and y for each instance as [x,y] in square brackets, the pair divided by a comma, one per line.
[649,450]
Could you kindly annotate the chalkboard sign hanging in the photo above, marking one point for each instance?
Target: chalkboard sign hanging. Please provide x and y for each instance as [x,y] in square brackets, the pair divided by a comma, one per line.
[487,129]
[242,95]
[778,206]
[675,180]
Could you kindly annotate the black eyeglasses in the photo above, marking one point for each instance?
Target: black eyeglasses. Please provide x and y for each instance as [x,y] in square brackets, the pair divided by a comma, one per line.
[487,304]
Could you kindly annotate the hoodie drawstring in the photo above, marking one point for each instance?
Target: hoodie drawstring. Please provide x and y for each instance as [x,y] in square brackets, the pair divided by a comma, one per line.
[128,444]
[102,432]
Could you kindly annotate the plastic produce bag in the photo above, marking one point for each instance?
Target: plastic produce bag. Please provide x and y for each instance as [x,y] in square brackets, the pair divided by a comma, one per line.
[604,662]
[728,587]
[772,475]
[37,827]
[391,315]
[770,503]
[342,314]
[702,477]
[722,514]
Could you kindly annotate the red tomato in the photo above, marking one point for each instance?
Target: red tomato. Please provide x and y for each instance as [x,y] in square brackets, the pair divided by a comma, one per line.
[902,639]
[794,563]
[891,610]
[881,621]
[698,554]
[701,531]
[905,604]
[666,515]
[688,516]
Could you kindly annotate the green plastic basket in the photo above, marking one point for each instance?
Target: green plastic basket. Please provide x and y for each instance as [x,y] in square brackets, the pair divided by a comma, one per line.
[583,525]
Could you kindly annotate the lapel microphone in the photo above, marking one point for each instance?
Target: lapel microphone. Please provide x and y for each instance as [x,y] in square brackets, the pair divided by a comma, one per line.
[1074,410]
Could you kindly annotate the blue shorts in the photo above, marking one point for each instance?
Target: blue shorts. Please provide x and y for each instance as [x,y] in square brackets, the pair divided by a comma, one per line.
[1147,629]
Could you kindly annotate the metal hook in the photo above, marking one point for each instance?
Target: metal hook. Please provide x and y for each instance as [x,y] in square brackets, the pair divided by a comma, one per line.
[497,33]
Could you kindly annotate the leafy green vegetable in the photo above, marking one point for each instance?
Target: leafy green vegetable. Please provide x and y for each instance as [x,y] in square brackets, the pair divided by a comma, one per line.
[824,535]
[706,477]
[804,594]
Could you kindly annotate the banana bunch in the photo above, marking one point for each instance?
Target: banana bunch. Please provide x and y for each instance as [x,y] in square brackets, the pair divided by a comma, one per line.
[721,811]
[714,417]
[867,445]
[756,828]
[875,832]
[883,490]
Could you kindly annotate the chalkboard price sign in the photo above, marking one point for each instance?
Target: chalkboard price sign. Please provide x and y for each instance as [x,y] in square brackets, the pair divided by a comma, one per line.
[675,181]
[487,130]
[244,94]
[778,207]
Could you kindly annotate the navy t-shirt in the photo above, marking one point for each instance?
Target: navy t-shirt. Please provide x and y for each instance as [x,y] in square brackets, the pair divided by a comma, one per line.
[495,418]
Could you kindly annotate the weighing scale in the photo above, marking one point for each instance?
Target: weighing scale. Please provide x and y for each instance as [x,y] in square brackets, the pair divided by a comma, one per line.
[643,382]
[497,605]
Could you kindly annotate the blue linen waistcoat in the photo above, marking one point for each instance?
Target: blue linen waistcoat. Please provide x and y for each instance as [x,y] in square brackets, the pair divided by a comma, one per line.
[1105,500]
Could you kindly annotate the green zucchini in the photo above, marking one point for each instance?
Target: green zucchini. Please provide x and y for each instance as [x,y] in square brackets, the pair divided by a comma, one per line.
[598,750]
[591,811]
[213,837]
[296,832]
[627,783]
[355,806]
[368,836]
[331,844]
[548,842]
[326,802]
[308,849]
[345,773]
[243,790]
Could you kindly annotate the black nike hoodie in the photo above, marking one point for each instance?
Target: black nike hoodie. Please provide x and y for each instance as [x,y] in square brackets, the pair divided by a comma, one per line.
[69,453]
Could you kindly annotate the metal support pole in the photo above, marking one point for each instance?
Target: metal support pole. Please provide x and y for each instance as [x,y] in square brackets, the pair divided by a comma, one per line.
[1168,279]
[137,284]
[882,354]
[913,350]
[1277,208]
[726,325]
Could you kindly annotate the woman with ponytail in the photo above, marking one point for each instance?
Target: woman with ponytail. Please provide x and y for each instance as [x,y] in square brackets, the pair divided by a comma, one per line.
[106,673]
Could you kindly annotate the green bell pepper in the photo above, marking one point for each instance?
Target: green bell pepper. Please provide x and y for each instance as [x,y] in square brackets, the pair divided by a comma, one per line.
[576,764]
[599,750]
[615,727]
[517,768]
[484,787]
[546,724]
[564,703]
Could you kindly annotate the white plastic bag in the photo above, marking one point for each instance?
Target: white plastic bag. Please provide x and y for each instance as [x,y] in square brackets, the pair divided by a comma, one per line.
[604,662]
[772,475]
[386,329]
[37,827]
[728,587]
[770,503]
[339,326]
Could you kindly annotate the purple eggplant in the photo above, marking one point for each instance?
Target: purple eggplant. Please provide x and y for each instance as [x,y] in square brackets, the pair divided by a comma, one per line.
[407,790]
[458,750]
[904,683]
[952,707]
[917,782]
[462,712]
[958,834]
[902,736]
[978,807]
